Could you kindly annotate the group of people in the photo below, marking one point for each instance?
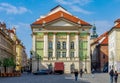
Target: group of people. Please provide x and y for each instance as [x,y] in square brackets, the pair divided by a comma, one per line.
[113,75]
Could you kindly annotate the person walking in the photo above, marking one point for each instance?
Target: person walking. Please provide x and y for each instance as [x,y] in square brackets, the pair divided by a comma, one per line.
[111,73]
[81,72]
[115,76]
[93,71]
[76,74]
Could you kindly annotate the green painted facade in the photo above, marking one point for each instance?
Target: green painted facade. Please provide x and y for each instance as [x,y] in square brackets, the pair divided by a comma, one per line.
[83,45]
[39,45]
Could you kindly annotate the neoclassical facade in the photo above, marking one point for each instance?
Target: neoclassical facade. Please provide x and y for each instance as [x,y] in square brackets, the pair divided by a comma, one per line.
[61,37]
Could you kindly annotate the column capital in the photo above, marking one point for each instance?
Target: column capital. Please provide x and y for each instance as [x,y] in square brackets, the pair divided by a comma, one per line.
[45,33]
[55,33]
[78,33]
[68,33]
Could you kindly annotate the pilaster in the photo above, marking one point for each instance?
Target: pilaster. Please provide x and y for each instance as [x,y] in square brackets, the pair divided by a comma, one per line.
[45,44]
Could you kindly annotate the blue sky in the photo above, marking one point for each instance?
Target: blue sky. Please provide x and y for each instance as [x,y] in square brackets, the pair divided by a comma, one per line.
[22,13]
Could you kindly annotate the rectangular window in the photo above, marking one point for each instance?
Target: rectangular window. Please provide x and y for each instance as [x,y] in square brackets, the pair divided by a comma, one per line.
[71,55]
[72,45]
[63,54]
[64,45]
[50,45]
[58,55]
[50,54]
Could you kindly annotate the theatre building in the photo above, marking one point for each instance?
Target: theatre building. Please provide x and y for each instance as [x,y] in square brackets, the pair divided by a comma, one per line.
[60,37]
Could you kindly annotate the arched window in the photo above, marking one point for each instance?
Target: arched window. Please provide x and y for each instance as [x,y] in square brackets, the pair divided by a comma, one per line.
[72,55]
[58,45]
[50,54]
[72,45]
[64,45]
[58,55]
[50,46]
[72,67]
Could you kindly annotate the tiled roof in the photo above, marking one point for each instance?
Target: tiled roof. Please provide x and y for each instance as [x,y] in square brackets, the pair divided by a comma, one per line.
[105,41]
[11,31]
[118,20]
[117,26]
[60,14]
[102,39]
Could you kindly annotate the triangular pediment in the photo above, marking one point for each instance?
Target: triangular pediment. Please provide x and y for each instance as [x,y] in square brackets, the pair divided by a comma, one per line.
[61,23]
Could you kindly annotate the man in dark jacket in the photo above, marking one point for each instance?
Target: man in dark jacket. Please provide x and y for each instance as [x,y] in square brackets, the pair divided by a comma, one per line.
[76,74]
[111,73]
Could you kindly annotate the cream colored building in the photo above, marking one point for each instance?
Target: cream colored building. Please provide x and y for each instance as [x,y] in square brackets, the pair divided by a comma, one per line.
[114,46]
[61,37]
[7,45]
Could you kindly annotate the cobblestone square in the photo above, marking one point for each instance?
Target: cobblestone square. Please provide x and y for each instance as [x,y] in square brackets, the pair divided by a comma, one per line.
[66,78]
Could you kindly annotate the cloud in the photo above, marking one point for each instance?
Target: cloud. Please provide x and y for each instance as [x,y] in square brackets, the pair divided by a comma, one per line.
[71,2]
[75,5]
[78,9]
[10,9]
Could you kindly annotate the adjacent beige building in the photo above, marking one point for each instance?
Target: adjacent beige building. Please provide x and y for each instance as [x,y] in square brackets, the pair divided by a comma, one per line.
[11,46]
[114,46]
[7,45]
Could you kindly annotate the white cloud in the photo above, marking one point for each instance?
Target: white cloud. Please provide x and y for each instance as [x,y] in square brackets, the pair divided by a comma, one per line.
[10,9]
[75,5]
[78,9]
[70,2]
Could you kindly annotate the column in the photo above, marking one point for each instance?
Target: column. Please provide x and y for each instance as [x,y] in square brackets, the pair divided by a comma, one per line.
[34,63]
[68,45]
[77,45]
[45,45]
[54,45]
[33,42]
[88,63]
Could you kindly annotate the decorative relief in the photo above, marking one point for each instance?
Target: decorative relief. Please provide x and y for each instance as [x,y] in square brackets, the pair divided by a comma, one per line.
[62,37]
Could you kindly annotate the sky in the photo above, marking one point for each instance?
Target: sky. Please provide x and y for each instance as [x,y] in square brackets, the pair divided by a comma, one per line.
[22,13]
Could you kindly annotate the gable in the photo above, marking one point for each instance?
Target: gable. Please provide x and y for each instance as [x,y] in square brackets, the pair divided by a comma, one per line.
[61,23]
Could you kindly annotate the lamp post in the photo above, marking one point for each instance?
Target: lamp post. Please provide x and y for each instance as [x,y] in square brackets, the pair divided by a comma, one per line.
[38,59]
[85,63]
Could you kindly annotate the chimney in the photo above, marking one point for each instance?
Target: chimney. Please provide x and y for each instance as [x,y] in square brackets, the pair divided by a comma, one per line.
[14,30]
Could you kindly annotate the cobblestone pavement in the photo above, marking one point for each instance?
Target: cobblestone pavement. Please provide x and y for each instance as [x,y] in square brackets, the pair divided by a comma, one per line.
[89,78]
[66,78]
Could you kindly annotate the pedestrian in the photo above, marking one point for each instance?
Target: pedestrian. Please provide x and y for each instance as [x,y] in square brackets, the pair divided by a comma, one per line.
[93,71]
[115,76]
[111,73]
[76,74]
[81,72]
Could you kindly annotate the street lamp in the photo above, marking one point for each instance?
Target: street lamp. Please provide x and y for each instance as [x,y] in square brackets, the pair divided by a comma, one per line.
[38,59]
[85,63]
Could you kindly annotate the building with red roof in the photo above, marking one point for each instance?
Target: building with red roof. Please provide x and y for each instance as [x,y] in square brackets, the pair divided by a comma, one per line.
[114,46]
[60,36]
[99,53]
